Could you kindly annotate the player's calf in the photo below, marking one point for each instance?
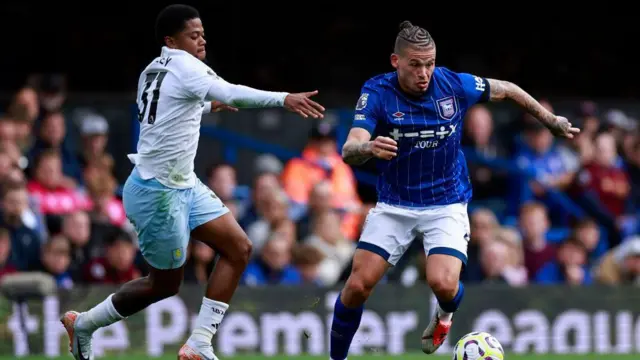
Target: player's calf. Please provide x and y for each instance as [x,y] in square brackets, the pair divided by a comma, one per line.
[230,242]
[443,274]
[368,269]
[131,298]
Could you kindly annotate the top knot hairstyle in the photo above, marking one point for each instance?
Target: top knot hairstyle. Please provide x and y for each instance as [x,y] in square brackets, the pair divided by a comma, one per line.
[413,36]
[171,20]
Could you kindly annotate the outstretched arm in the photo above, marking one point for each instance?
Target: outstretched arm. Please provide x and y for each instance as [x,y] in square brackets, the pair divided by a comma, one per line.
[559,126]
[359,148]
[241,96]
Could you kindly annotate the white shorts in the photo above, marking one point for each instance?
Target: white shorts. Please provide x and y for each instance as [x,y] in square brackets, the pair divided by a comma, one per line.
[389,230]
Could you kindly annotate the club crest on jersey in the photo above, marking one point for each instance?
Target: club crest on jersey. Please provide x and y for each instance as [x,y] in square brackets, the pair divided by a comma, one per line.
[447,108]
[362,101]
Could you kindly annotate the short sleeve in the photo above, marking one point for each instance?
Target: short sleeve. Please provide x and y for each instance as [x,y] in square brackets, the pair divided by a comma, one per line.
[367,111]
[475,88]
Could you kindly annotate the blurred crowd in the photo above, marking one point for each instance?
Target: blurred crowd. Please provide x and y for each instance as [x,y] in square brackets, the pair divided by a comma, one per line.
[545,211]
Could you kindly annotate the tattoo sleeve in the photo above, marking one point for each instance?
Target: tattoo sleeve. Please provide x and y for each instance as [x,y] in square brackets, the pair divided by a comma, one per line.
[356,153]
[500,90]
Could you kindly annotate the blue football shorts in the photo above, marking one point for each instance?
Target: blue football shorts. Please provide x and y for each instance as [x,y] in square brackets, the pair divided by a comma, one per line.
[164,217]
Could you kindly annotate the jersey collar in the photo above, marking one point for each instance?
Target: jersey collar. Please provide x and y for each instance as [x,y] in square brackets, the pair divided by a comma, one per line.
[167,51]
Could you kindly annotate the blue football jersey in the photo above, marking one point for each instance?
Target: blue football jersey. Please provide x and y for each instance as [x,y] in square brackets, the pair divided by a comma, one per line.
[430,168]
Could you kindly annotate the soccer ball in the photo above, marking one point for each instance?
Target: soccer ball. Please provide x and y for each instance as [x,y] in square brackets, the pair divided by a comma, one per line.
[478,346]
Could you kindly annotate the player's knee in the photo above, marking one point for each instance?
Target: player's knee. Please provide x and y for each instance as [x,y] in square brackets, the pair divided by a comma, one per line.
[243,251]
[357,290]
[443,283]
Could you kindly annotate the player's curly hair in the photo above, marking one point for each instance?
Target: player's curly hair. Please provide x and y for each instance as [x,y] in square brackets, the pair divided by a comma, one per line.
[414,36]
[171,20]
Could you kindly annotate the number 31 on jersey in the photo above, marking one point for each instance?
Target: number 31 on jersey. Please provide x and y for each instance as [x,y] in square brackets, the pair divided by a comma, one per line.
[152,80]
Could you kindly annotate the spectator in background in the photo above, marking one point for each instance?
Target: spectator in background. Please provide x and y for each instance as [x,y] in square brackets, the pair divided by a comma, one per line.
[517,273]
[7,129]
[602,187]
[5,254]
[53,91]
[538,154]
[580,150]
[633,171]
[534,224]
[222,179]
[520,126]
[51,135]
[307,260]
[337,250]
[320,202]
[94,132]
[77,228]
[587,233]
[619,125]
[18,161]
[321,161]
[117,266]
[103,204]
[273,265]
[25,242]
[55,260]
[6,164]
[273,219]
[24,110]
[604,178]
[494,261]
[478,137]
[570,267]
[484,225]
[263,186]
[621,265]
[49,187]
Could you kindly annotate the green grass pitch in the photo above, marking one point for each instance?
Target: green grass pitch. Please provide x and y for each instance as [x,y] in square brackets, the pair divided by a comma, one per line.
[364,357]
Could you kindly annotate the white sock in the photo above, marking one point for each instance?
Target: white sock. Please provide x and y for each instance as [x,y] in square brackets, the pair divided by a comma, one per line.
[101,315]
[209,318]
[443,315]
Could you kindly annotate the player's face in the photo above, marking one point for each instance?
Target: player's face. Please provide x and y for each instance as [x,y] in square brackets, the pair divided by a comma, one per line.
[191,39]
[415,67]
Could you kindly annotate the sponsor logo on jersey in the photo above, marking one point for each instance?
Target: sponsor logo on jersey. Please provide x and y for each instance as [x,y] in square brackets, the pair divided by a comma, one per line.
[427,139]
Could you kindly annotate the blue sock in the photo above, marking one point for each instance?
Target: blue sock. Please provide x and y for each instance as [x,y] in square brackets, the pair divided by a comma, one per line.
[346,322]
[453,305]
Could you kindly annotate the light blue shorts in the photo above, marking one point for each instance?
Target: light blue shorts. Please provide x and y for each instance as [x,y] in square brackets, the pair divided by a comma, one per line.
[164,217]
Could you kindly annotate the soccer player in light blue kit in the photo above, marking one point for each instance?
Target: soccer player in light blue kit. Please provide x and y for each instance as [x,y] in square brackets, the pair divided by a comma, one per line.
[414,116]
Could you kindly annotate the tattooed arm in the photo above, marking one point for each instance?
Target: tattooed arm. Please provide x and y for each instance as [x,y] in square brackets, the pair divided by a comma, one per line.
[359,148]
[559,126]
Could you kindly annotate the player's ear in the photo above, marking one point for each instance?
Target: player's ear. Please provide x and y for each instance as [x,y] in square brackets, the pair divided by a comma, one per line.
[394,60]
[169,42]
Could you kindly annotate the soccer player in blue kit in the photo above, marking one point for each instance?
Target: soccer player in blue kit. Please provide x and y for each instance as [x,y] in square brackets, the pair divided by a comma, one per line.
[414,116]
